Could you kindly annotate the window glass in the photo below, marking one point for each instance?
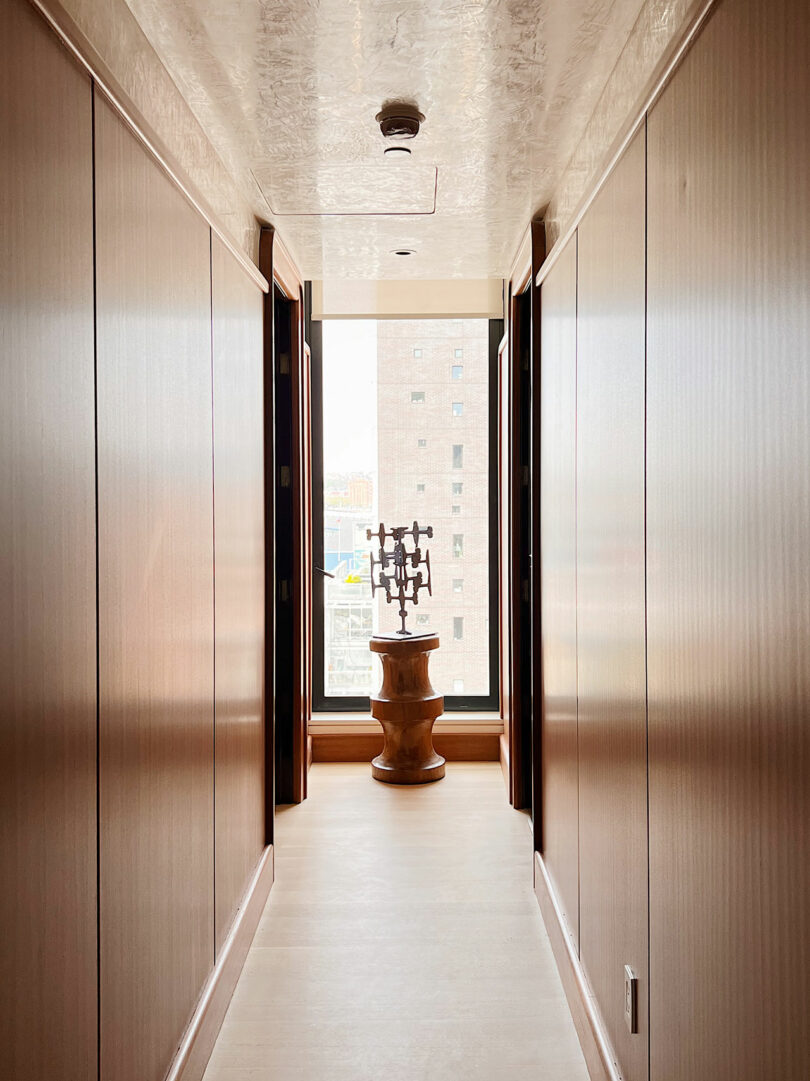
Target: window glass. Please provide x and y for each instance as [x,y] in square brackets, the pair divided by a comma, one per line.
[458,628]
[374,470]
[458,409]
[458,352]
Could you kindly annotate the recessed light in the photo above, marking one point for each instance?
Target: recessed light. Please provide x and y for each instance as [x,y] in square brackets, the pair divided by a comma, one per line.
[403,251]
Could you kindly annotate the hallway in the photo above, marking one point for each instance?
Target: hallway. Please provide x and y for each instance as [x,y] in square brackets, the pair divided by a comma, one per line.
[401,941]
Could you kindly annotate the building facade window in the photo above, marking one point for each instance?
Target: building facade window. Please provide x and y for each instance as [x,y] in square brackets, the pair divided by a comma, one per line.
[420,487]
[456,372]
[455,509]
[417,353]
[458,409]
[422,620]
[417,397]
[458,353]
[458,628]
[458,545]
[421,443]
[458,585]
[458,456]
[458,487]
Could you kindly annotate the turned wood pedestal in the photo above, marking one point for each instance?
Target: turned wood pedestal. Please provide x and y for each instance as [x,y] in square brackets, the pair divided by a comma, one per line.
[406,707]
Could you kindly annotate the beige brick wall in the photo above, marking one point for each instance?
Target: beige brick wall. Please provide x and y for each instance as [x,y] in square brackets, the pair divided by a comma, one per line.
[403,465]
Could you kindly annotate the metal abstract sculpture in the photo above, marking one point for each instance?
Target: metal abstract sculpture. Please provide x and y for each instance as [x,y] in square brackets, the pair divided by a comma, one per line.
[395,566]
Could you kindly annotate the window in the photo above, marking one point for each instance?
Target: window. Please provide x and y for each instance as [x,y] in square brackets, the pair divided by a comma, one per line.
[374,462]
[458,409]
[458,352]
[458,628]
[417,353]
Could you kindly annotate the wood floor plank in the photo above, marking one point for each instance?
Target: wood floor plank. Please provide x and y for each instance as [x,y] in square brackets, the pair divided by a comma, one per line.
[401,940]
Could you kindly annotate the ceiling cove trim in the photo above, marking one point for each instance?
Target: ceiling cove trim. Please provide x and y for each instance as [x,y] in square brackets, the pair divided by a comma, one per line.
[663,72]
[76,42]
[522,263]
[286,274]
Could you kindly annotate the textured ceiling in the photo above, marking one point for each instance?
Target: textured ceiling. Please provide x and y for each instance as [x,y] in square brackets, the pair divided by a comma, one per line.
[287,91]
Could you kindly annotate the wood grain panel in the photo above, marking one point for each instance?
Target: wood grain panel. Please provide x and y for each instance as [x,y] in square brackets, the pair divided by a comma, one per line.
[504,596]
[728,542]
[558,375]
[48,994]
[611,662]
[156,626]
[520,618]
[237,307]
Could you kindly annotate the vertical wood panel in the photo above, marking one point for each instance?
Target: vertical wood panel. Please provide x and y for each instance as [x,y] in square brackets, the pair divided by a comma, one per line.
[558,359]
[611,664]
[237,308]
[729,536]
[48,988]
[155,499]
[517,554]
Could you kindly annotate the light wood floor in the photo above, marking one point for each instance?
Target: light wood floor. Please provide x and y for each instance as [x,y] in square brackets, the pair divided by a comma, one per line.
[401,942]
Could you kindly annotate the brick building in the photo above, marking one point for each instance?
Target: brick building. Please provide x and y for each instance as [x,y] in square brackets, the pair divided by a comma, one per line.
[432,402]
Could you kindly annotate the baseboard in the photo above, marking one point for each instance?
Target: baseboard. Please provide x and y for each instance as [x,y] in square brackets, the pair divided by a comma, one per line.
[363,746]
[503,754]
[599,1057]
[198,1043]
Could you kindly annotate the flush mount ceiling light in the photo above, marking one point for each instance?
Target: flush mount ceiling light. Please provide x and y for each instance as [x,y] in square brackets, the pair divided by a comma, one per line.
[399,120]
[403,251]
[397,151]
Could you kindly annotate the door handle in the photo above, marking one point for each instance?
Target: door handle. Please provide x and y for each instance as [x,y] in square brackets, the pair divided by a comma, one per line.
[326,574]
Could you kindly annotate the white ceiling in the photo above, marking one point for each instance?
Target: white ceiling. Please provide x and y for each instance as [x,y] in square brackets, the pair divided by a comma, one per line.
[287,91]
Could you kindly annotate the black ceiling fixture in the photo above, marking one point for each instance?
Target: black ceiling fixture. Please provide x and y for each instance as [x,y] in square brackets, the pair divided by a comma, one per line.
[399,120]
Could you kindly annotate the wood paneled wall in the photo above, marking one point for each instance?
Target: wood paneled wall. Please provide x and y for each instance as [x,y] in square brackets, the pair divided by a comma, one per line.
[131,431]
[611,668]
[48,1001]
[239,584]
[728,541]
[687,845]
[558,537]
[156,605]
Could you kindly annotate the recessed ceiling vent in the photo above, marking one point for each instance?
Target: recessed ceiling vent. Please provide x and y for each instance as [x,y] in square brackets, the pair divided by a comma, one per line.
[399,120]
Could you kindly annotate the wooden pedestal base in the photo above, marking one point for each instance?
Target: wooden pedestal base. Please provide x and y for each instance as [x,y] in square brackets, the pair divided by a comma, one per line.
[406,707]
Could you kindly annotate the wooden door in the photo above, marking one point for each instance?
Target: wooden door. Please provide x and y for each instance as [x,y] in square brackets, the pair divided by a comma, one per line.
[288,519]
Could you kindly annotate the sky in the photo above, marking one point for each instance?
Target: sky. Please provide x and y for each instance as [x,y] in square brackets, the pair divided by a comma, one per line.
[350,396]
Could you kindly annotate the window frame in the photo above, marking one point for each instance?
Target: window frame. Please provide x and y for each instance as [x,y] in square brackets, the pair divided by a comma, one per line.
[464,703]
